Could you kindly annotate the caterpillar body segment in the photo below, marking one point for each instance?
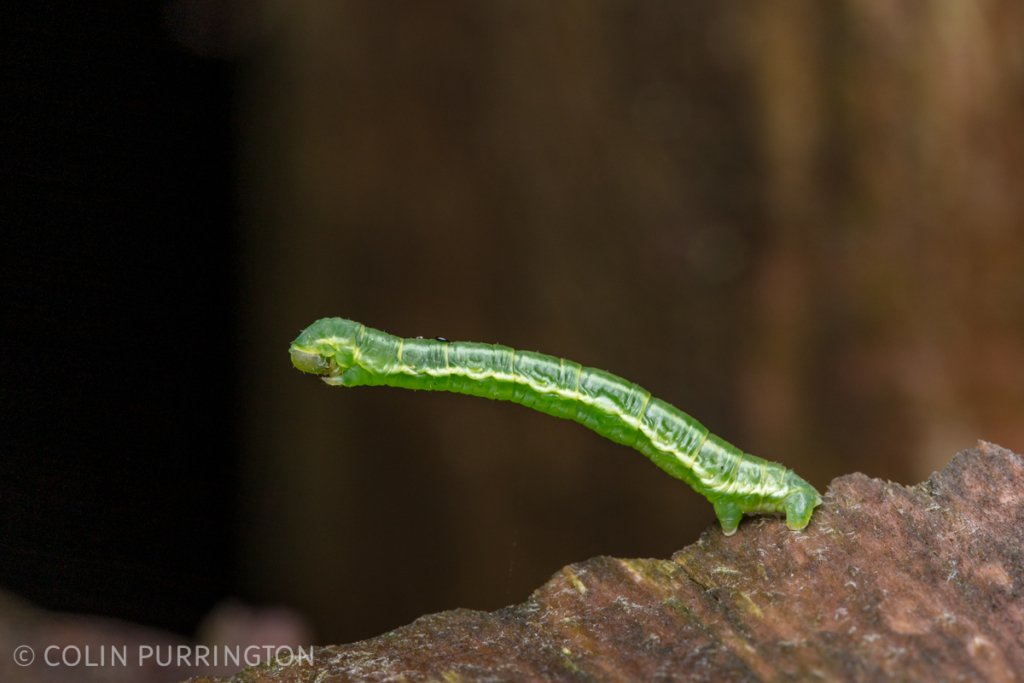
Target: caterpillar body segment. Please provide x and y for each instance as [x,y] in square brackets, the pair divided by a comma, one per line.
[346,353]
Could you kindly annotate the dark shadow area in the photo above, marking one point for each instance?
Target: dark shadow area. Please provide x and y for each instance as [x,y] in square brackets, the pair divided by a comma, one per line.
[117,425]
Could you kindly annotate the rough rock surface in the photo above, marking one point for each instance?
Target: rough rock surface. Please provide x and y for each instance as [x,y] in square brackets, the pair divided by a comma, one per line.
[921,583]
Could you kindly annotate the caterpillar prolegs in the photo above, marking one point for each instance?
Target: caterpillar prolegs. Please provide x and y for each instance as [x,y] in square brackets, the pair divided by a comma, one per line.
[347,353]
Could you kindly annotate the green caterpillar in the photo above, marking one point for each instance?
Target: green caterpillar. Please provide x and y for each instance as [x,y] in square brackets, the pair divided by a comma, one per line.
[350,354]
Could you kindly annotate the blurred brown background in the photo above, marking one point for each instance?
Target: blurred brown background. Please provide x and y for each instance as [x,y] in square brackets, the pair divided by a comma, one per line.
[800,222]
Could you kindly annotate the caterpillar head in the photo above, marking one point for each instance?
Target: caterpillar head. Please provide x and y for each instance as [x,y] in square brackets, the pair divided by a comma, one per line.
[326,348]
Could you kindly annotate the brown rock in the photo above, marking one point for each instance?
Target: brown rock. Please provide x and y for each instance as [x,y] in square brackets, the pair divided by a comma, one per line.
[921,583]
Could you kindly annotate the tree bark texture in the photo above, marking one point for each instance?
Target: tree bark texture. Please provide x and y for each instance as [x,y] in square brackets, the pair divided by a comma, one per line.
[888,582]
